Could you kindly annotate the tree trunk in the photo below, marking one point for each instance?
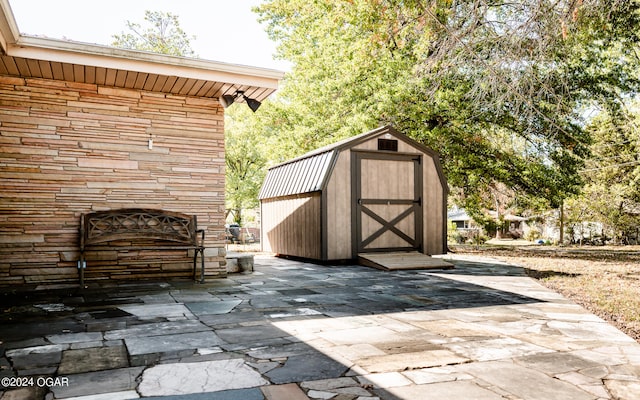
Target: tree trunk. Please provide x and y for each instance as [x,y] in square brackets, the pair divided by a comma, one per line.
[562,222]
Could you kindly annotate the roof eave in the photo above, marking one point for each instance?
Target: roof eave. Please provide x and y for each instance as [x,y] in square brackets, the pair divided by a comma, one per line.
[9,32]
[55,50]
[140,61]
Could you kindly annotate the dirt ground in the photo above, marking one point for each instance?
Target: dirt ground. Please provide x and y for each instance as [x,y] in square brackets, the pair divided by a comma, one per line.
[603,279]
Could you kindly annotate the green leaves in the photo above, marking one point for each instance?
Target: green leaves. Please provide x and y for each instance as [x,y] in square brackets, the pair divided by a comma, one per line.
[611,195]
[498,88]
[160,34]
[245,159]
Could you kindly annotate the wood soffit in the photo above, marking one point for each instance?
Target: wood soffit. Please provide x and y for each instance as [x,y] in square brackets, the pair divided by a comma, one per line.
[37,57]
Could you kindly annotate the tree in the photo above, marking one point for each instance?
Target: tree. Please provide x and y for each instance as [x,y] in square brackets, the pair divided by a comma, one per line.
[498,88]
[161,34]
[612,175]
[245,160]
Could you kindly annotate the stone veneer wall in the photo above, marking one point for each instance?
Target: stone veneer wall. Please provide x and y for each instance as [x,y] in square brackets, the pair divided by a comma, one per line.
[69,148]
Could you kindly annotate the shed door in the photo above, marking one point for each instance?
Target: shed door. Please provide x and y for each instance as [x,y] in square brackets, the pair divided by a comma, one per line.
[388,206]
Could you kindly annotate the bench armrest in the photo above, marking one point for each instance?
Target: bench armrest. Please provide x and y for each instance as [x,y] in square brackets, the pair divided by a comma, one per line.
[201,232]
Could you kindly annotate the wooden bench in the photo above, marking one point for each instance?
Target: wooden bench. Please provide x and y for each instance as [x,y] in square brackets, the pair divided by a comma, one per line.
[120,229]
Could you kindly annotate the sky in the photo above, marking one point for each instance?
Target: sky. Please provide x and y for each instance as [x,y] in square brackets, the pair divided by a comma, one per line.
[225,30]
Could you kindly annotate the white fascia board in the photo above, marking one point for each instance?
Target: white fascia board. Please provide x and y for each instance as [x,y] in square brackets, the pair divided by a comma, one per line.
[139,61]
[9,32]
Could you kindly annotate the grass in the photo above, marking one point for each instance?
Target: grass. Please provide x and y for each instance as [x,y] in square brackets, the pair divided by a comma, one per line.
[606,281]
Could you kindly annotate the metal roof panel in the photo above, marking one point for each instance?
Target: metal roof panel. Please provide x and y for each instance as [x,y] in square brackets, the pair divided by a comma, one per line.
[302,176]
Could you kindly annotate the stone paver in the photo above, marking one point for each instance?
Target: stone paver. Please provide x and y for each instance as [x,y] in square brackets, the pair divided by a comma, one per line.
[296,330]
[446,390]
[236,394]
[199,377]
[524,382]
[93,359]
[212,307]
[100,382]
[306,367]
[289,391]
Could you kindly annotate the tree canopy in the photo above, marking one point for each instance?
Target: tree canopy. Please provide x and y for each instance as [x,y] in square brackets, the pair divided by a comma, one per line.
[611,194]
[246,156]
[160,34]
[498,88]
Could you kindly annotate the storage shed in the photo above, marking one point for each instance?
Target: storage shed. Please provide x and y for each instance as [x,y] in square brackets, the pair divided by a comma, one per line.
[379,191]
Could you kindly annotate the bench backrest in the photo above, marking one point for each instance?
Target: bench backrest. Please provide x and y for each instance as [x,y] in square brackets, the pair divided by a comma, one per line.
[137,223]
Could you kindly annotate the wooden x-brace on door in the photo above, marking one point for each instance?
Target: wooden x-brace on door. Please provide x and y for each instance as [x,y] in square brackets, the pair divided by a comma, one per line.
[387,208]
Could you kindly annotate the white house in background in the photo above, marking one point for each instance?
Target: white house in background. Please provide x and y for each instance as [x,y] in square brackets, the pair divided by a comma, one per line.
[460,217]
[518,226]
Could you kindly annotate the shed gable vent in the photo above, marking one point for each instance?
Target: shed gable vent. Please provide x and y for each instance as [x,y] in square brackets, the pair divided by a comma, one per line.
[387,144]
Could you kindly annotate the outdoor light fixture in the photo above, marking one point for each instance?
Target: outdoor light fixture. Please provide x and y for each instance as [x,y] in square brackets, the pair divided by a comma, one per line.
[227,99]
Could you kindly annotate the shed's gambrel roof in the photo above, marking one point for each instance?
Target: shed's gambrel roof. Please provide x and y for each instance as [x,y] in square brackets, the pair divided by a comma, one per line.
[310,172]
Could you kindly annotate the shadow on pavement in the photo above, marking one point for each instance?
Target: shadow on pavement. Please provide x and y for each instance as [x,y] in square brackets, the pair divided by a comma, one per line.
[323,328]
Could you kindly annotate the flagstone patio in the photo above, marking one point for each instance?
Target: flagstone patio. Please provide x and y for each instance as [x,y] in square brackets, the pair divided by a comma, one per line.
[295,330]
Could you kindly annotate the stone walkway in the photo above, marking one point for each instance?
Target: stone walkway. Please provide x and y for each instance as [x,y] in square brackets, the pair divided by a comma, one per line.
[298,331]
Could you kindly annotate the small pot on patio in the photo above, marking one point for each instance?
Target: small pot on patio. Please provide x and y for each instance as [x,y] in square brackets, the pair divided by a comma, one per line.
[245,264]
[240,262]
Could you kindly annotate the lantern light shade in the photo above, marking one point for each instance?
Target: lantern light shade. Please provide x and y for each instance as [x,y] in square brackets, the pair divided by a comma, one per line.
[227,99]
[252,103]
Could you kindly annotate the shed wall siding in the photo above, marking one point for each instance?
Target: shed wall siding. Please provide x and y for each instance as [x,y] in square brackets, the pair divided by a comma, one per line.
[433,209]
[338,195]
[372,144]
[69,148]
[291,225]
